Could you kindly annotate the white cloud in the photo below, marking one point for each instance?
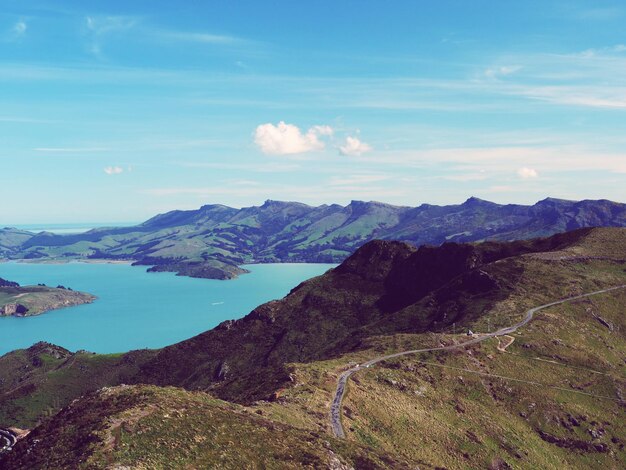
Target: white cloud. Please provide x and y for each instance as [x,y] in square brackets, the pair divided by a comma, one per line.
[287,139]
[353,147]
[527,173]
[113,170]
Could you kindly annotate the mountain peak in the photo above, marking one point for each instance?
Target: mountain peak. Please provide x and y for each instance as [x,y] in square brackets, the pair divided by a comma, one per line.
[475,201]
[554,200]
[273,204]
[357,203]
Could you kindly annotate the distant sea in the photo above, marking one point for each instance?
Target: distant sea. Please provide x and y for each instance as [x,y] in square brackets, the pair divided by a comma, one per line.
[69,228]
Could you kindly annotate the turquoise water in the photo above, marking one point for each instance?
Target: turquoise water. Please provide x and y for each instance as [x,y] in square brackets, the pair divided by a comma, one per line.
[136,309]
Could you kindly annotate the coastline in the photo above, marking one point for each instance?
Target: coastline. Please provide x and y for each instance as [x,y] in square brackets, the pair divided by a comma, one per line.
[62,261]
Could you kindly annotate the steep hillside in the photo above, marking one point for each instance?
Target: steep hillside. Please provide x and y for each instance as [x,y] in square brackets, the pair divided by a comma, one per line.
[37,381]
[215,240]
[384,288]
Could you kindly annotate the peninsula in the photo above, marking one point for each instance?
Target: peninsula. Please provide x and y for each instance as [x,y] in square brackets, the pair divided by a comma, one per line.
[18,301]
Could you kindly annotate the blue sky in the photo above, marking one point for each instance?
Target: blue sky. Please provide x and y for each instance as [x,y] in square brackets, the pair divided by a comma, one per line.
[115,111]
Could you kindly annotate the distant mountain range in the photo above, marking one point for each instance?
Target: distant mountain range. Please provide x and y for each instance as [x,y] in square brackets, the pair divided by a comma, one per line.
[213,241]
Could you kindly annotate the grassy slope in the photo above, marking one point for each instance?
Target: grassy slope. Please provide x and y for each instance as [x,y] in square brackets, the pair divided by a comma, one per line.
[37,382]
[449,409]
[147,427]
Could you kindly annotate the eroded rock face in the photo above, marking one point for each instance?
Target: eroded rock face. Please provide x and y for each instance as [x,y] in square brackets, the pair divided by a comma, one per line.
[222,372]
[43,347]
[14,309]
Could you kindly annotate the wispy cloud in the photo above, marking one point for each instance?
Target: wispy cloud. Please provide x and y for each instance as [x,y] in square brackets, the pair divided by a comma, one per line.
[587,53]
[584,96]
[99,27]
[202,38]
[19,28]
[598,14]
[313,194]
[25,120]
[266,167]
[465,177]
[594,78]
[113,170]
[357,180]
[70,149]
[506,160]
[501,71]
[15,33]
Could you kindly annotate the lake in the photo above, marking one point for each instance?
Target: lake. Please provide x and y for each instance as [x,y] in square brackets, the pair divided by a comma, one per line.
[136,309]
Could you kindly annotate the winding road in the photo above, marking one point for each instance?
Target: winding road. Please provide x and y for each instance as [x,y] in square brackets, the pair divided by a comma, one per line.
[336,404]
[7,440]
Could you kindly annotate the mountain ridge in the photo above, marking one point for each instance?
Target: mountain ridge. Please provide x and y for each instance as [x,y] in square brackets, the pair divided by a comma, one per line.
[215,240]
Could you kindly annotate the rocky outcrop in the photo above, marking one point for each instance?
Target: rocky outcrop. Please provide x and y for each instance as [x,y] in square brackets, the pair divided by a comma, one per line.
[16,310]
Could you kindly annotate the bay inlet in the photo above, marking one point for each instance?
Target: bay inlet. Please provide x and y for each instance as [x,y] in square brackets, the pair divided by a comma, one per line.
[136,309]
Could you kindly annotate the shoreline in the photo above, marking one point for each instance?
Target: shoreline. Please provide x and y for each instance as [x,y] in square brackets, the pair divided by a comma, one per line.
[61,261]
